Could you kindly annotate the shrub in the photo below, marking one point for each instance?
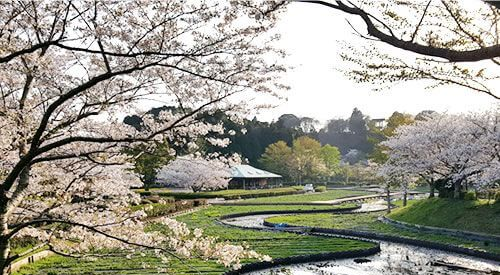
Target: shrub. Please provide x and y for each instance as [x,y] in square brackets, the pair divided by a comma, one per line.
[184,204]
[159,209]
[146,201]
[320,188]
[470,196]
[154,198]
[497,196]
[25,241]
[236,194]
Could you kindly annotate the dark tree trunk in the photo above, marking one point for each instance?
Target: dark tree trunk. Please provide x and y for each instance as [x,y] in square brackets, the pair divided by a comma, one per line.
[405,198]
[388,200]
[456,190]
[432,188]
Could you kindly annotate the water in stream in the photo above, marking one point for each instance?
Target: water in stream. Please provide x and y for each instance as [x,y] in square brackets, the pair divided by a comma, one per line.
[395,259]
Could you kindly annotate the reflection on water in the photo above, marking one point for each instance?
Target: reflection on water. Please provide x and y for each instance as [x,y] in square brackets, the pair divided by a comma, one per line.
[396,259]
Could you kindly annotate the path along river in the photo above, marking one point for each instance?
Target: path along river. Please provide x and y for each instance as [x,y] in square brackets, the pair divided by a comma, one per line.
[394,259]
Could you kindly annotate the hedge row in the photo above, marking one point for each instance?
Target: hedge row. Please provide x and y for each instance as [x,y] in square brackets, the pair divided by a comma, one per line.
[229,196]
[298,211]
[162,209]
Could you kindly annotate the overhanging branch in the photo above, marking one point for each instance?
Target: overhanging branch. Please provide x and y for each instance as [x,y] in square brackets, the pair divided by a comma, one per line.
[479,54]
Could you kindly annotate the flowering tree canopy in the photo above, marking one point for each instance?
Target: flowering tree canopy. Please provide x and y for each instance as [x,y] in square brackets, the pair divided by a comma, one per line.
[70,69]
[457,150]
[196,173]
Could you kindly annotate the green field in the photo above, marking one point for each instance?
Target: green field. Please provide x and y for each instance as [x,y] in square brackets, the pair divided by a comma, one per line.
[275,244]
[323,196]
[476,216]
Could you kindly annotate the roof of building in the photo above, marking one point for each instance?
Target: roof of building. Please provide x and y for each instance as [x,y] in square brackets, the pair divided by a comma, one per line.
[247,171]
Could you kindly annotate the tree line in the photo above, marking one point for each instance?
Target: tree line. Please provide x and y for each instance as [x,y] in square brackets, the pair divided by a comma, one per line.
[353,141]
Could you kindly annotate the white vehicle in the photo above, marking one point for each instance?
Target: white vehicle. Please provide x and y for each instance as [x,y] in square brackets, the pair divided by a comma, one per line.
[309,188]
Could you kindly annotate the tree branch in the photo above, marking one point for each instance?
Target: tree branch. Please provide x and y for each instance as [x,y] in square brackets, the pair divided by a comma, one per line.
[484,53]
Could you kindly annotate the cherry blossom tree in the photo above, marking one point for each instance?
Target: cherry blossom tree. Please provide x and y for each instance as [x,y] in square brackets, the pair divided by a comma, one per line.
[455,150]
[71,69]
[197,174]
[395,176]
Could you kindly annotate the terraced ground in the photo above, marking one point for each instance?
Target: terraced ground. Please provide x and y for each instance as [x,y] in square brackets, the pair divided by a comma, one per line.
[275,244]
[323,196]
[369,222]
[270,243]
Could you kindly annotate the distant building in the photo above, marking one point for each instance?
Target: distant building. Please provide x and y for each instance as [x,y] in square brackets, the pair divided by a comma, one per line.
[379,122]
[248,177]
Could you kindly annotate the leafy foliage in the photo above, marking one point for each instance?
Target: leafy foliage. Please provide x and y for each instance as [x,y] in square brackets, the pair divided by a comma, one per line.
[148,158]
[347,134]
[306,160]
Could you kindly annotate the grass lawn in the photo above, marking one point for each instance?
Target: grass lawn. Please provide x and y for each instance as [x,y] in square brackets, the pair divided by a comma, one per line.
[323,196]
[476,216]
[275,244]
[368,222]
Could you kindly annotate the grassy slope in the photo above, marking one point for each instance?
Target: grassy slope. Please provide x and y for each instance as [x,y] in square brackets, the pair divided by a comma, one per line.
[476,216]
[324,196]
[271,243]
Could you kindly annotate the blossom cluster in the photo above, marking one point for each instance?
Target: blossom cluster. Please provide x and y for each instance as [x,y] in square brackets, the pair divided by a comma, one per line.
[460,149]
[196,173]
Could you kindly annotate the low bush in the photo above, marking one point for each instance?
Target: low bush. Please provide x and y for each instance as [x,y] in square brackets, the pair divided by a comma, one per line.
[234,194]
[320,188]
[23,242]
[470,196]
[169,206]
[497,196]
[159,209]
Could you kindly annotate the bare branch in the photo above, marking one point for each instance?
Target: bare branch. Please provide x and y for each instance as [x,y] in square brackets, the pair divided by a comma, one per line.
[484,53]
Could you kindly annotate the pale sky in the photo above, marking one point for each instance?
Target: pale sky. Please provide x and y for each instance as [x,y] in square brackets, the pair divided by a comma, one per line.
[310,34]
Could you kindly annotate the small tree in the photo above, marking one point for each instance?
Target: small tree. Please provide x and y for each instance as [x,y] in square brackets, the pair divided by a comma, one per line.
[331,158]
[396,177]
[276,158]
[378,135]
[306,159]
[147,159]
[306,162]
[196,173]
